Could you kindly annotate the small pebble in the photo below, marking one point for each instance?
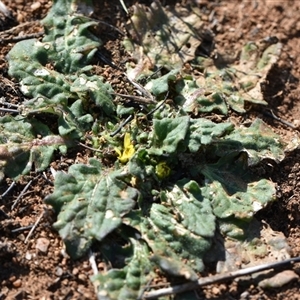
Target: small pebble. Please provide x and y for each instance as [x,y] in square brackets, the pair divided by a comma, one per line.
[28,255]
[42,245]
[82,277]
[65,282]
[278,280]
[86,266]
[36,5]
[59,272]
[20,17]
[75,271]
[21,237]
[244,295]
[88,295]
[215,290]
[17,283]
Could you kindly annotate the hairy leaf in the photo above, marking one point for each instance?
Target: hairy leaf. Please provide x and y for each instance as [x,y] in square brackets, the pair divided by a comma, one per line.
[27,61]
[258,141]
[127,283]
[92,86]
[161,85]
[180,228]
[90,204]
[171,242]
[195,98]
[168,133]
[193,211]
[233,191]
[24,144]
[69,42]
[203,132]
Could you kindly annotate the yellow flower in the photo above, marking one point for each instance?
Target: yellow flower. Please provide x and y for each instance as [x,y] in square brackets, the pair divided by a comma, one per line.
[128,150]
[162,170]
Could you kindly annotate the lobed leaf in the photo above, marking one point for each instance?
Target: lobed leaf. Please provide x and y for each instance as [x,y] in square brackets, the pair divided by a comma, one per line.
[234,193]
[47,87]
[90,204]
[203,132]
[127,283]
[68,39]
[175,248]
[27,60]
[168,133]
[193,211]
[180,229]
[195,98]
[237,83]
[258,142]
[24,144]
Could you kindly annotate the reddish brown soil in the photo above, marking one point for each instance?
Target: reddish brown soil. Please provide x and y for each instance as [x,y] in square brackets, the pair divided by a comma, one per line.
[28,273]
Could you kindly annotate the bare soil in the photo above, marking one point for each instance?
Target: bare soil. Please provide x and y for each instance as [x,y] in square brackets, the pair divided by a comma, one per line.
[34,265]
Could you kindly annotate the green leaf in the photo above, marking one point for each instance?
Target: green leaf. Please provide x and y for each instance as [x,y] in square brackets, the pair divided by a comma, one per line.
[73,122]
[192,209]
[90,204]
[51,72]
[258,141]
[24,144]
[180,229]
[92,86]
[233,191]
[26,63]
[168,133]
[51,88]
[121,110]
[138,165]
[70,43]
[127,283]
[161,85]
[172,243]
[203,132]
[195,98]
[237,83]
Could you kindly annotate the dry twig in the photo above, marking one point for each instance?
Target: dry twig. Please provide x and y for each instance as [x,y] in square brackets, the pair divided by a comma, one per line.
[128,119]
[14,30]
[272,114]
[34,226]
[21,194]
[92,261]
[216,279]
[8,190]
[22,228]
[20,38]
[137,99]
